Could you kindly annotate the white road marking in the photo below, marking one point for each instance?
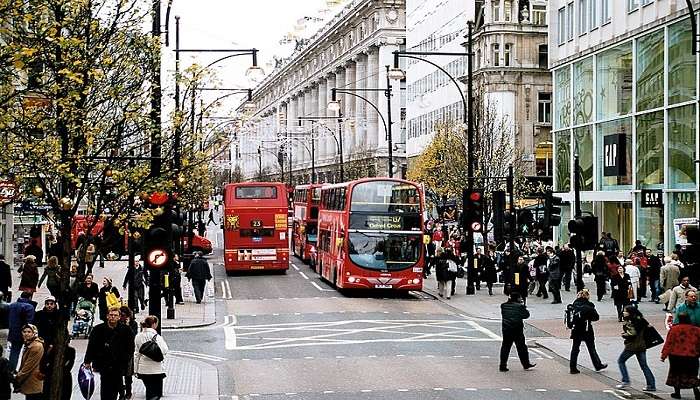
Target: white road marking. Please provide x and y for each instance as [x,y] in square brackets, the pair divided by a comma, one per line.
[471,389]
[223,290]
[366,390]
[484,330]
[574,391]
[328,391]
[402,390]
[320,288]
[304,275]
[614,393]
[507,389]
[200,356]
[295,267]
[438,389]
[540,390]
[230,340]
[542,353]
[228,289]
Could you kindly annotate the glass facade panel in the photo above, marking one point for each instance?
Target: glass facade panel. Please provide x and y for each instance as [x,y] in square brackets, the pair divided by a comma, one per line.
[562,99]
[681,205]
[650,71]
[650,149]
[562,180]
[583,91]
[584,146]
[650,225]
[681,63]
[681,147]
[615,149]
[614,82]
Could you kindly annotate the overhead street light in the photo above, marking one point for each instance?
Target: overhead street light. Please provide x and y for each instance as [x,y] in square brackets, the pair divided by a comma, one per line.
[254,72]
[249,105]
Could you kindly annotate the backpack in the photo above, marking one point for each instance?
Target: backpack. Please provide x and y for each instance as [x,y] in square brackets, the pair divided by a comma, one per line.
[572,316]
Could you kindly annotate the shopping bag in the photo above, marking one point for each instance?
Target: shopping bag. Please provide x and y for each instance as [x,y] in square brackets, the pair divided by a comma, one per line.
[86,381]
[112,300]
[652,337]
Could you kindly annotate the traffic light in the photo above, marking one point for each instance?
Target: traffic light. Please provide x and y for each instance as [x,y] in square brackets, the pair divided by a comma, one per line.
[583,232]
[525,222]
[473,204]
[499,210]
[552,210]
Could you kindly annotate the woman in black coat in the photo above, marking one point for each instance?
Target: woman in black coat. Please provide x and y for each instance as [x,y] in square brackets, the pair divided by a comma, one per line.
[102,303]
[442,274]
[489,274]
[599,267]
[620,284]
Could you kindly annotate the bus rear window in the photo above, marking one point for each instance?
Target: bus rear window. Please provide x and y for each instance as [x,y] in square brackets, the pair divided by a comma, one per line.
[256,192]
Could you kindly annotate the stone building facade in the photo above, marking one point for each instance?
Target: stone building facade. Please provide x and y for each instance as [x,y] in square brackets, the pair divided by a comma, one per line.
[292,116]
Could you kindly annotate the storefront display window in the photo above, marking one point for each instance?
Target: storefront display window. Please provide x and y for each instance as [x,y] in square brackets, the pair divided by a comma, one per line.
[584,147]
[650,225]
[650,149]
[562,98]
[614,82]
[681,63]
[615,149]
[681,147]
[650,71]
[562,172]
[583,91]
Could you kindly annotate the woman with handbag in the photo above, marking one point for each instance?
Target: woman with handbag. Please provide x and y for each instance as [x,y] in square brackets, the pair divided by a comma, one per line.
[682,348]
[622,292]
[441,272]
[635,345]
[151,349]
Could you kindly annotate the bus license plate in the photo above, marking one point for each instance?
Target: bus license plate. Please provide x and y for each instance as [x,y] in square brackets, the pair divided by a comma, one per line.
[383,286]
[257,239]
[257,267]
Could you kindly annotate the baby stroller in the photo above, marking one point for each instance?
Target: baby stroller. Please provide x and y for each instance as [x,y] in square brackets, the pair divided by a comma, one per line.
[84,317]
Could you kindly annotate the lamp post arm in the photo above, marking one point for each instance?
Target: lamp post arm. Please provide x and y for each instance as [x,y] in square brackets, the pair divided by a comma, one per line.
[693,25]
[461,93]
[386,129]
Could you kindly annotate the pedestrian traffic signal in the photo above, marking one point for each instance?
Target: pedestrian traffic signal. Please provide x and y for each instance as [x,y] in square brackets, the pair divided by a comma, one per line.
[552,210]
[525,222]
[473,205]
[583,232]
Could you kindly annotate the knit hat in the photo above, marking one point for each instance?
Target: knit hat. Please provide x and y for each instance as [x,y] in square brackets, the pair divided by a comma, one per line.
[33,328]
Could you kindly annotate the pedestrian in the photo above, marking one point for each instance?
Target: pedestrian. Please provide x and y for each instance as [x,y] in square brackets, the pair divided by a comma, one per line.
[599,267]
[199,273]
[567,259]
[176,280]
[56,248]
[621,287]
[542,273]
[6,376]
[633,333]
[28,380]
[669,275]
[682,348]
[554,267]
[88,289]
[533,286]
[126,318]
[109,350]
[441,272]
[137,276]
[48,369]
[211,217]
[513,312]
[654,275]
[489,274]
[46,321]
[638,246]
[690,307]
[20,314]
[430,251]
[52,276]
[520,278]
[583,316]
[106,297]
[5,280]
[29,275]
[150,371]
[678,293]
[634,274]
[33,249]
[478,270]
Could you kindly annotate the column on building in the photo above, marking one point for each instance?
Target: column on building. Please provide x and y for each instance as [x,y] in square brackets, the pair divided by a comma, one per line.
[330,84]
[303,156]
[291,118]
[372,82]
[307,131]
[325,151]
[360,105]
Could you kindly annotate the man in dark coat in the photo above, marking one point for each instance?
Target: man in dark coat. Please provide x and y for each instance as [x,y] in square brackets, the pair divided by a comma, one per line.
[584,314]
[542,273]
[21,313]
[567,259]
[109,350]
[553,265]
[35,250]
[5,279]
[46,321]
[520,279]
[654,275]
[199,273]
[56,248]
[513,312]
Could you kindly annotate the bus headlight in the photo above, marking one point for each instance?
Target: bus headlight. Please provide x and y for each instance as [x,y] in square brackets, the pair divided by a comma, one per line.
[352,279]
[415,281]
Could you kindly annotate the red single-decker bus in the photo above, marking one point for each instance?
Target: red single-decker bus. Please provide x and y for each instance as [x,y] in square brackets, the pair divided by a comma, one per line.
[255,227]
[370,235]
[304,227]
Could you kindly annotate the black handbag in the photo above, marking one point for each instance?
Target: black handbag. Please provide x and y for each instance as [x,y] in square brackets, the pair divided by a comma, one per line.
[652,337]
[151,350]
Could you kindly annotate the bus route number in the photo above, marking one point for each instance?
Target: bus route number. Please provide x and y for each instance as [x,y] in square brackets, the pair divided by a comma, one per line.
[256,223]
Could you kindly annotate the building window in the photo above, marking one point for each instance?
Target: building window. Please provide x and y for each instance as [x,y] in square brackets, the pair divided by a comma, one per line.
[496,54]
[583,91]
[650,71]
[507,10]
[582,17]
[562,80]
[562,172]
[614,82]
[650,149]
[496,11]
[681,147]
[544,108]
[615,148]
[561,20]
[632,5]
[584,144]
[593,14]
[645,2]
[681,63]
[507,54]
[570,21]
[478,59]
[539,15]
[543,159]
[604,11]
[544,56]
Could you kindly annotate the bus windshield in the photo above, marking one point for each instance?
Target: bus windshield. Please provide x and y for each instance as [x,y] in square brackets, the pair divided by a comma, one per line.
[384,251]
[385,197]
[256,192]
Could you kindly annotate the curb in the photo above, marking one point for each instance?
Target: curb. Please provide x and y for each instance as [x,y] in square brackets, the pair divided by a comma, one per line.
[455,308]
[200,325]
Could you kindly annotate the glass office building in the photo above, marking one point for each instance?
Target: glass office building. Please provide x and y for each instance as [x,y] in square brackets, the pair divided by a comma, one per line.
[629,111]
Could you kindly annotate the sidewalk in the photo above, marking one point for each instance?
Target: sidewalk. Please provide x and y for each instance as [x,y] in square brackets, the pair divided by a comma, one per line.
[551,333]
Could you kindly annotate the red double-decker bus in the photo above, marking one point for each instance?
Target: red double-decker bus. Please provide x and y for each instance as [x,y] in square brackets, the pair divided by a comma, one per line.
[304,227]
[255,227]
[370,234]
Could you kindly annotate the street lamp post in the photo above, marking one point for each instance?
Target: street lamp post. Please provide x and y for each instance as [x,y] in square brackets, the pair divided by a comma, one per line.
[338,140]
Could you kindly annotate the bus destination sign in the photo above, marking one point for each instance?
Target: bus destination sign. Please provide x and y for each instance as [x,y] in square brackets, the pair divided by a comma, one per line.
[385,222]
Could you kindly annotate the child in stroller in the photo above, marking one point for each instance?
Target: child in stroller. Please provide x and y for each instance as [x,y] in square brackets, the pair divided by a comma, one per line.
[84,317]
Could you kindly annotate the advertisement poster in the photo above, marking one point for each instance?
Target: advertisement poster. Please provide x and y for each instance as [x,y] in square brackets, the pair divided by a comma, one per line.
[679,229]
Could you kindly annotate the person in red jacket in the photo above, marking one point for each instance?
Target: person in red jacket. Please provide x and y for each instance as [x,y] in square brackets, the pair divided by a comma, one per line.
[682,348]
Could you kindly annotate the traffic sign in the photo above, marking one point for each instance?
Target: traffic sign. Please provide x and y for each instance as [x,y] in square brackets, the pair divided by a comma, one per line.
[157,258]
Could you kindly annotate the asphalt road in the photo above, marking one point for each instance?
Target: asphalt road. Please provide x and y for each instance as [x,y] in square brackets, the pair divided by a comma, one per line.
[293,336]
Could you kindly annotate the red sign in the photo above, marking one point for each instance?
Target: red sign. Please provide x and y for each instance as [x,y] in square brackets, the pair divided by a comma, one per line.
[8,191]
[159,198]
